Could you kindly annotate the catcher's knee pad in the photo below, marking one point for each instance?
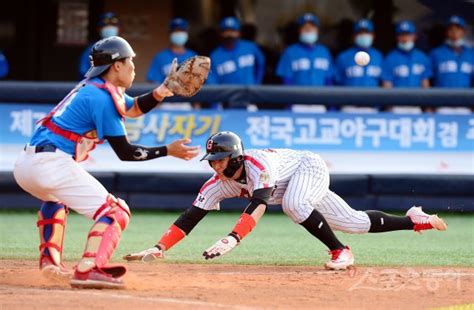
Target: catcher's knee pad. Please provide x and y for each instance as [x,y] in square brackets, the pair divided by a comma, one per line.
[52,225]
[114,208]
[111,219]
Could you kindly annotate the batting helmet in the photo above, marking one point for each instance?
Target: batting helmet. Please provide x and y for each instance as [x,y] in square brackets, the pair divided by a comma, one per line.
[107,51]
[225,144]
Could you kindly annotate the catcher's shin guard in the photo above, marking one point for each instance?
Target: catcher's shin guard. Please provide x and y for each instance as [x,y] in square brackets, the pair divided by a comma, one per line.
[52,225]
[111,219]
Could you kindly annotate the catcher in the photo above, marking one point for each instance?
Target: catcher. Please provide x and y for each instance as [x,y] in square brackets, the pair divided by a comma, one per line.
[48,166]
[299,181]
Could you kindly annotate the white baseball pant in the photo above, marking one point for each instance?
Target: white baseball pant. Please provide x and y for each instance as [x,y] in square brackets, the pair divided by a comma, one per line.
[55,176]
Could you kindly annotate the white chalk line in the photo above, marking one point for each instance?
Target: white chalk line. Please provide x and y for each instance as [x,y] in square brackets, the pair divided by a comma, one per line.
[109,293]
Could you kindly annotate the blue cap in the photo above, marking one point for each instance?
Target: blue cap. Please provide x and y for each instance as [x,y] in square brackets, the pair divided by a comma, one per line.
[230,23]
[405,26]
[108,18]
[456,20]
[178,23]
[308,18]
[363,25]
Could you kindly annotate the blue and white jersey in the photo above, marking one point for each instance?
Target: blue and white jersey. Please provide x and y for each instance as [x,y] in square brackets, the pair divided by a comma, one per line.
[451,69]
[302,64]
[348,73]
[243,64]
[4,68]
[406,69]
[91,108]
[161,64]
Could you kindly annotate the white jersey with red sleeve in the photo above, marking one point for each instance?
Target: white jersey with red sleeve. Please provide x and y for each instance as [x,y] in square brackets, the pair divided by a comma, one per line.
[213,192]
[300,180]
[264,168]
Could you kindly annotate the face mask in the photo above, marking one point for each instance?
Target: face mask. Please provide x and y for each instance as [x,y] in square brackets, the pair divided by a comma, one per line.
[457,43]
[364,40]
[229,41]
[406,46]
[109,31]
[179,38]
[309,37]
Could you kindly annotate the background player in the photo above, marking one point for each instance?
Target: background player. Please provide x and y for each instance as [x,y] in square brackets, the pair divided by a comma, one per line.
[453,61]
[308,62]
[299,181]
[4,67]
[405,65]
[236,61]
[48,167]
[161,63]
[347,72]
[107,26]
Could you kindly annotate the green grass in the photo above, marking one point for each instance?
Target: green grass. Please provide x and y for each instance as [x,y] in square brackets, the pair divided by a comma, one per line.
[276,241]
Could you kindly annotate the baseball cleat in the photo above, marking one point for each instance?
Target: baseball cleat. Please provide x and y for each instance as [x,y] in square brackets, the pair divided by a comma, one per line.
[97,279]
[425,221]
[53,272]
[147,255]
[341,259]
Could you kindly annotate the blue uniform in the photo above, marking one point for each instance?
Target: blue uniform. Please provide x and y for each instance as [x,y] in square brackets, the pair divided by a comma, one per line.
[451,69]
[243,64]
[406,69]
[84,61]
[91,108]
[303,64]
[348,73]
[4,68]
[161,64]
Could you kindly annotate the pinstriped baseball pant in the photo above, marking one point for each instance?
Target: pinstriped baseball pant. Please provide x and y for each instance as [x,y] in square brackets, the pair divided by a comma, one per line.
[308,189]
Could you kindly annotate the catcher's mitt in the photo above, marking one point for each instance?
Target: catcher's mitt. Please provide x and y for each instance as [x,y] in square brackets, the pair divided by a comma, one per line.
[187,79]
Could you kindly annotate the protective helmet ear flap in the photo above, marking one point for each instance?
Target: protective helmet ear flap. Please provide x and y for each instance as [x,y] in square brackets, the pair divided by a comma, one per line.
[233,165]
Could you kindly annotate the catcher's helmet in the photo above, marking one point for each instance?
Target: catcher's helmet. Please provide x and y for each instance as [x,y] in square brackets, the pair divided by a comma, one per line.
[107,51]
[225,144]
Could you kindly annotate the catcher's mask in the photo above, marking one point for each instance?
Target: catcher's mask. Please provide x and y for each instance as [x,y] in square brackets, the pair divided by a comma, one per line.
[225,144]
[107,51]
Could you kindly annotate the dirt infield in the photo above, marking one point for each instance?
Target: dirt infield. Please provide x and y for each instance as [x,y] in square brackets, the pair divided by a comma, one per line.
[182,286]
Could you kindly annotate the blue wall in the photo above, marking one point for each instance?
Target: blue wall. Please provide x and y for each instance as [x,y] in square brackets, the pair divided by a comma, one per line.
[435,193]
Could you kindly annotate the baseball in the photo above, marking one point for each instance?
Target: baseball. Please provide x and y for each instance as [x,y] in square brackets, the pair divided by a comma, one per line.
[362,58]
